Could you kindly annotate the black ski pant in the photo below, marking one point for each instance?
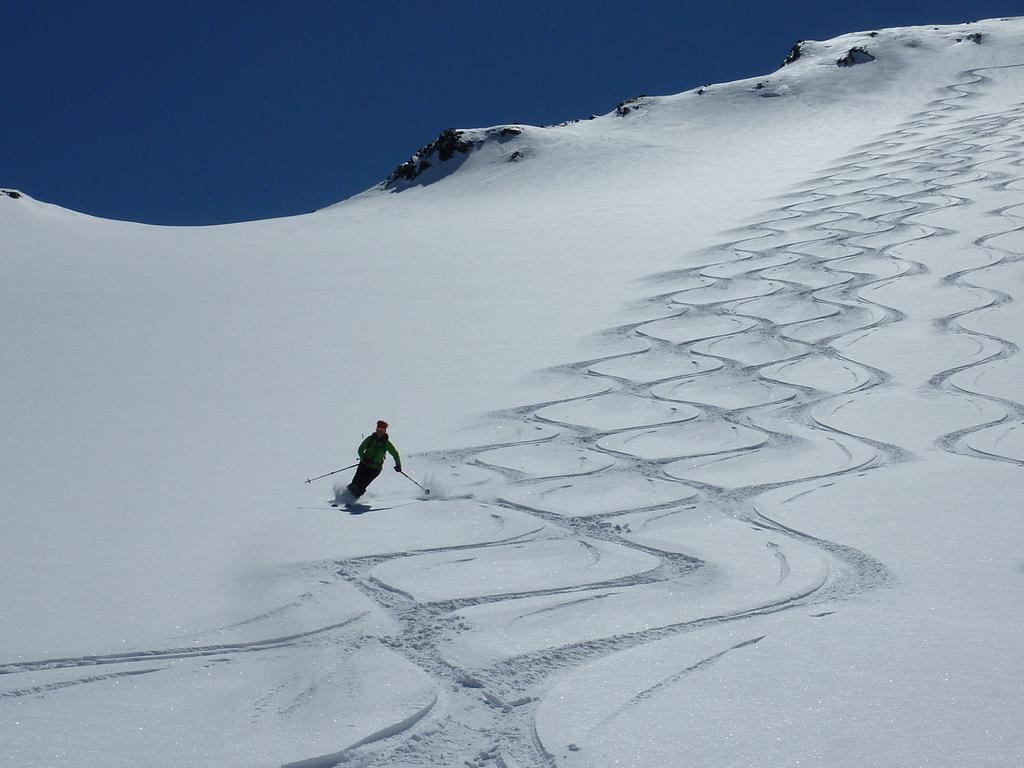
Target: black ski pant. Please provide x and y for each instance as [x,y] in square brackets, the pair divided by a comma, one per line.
[365,474]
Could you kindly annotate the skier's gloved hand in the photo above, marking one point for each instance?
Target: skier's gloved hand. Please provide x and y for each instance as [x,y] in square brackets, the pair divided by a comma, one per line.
[398,467]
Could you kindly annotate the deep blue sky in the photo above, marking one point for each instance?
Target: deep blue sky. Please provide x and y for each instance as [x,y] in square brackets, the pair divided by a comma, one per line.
[205,112]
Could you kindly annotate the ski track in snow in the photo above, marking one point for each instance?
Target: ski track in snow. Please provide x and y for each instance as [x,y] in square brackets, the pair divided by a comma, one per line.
[172,653]
[764,315]
[746,353]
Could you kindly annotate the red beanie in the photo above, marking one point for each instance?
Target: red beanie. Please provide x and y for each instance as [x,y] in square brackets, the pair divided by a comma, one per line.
[381,424]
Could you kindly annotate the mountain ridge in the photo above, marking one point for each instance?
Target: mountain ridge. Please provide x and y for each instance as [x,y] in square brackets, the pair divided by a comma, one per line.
[842,52]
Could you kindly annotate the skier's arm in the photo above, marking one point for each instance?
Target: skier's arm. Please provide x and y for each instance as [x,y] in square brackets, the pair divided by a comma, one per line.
[361,451]
[394,454]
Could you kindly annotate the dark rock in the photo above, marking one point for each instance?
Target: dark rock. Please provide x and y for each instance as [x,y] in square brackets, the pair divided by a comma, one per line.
[976,37]
[794,53]
[407,171]
[11,193]
[627,106]
[856,55]
[570,122]
[449,144]
[445,146]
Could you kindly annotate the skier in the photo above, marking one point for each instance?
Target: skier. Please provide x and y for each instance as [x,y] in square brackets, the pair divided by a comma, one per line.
[371,459]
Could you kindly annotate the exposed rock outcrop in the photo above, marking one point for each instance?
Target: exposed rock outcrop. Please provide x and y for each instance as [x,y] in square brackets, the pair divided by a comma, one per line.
[794,53]
[448,144]
[854,56]
[443,148]
[629,105]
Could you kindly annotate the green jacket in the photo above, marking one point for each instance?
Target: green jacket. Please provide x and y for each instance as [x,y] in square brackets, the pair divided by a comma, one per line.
[371,451]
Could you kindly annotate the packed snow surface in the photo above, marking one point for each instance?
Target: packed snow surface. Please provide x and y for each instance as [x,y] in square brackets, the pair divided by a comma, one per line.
[718,399]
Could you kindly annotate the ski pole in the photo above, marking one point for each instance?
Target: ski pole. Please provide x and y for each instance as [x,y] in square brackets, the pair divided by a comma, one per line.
[427,490]
[310,480]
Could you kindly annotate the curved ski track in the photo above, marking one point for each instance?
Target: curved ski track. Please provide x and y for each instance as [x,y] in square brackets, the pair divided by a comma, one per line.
[773,300]
[727,415]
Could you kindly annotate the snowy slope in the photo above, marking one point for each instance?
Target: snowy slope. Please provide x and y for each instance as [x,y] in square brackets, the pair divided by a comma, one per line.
[719,399]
